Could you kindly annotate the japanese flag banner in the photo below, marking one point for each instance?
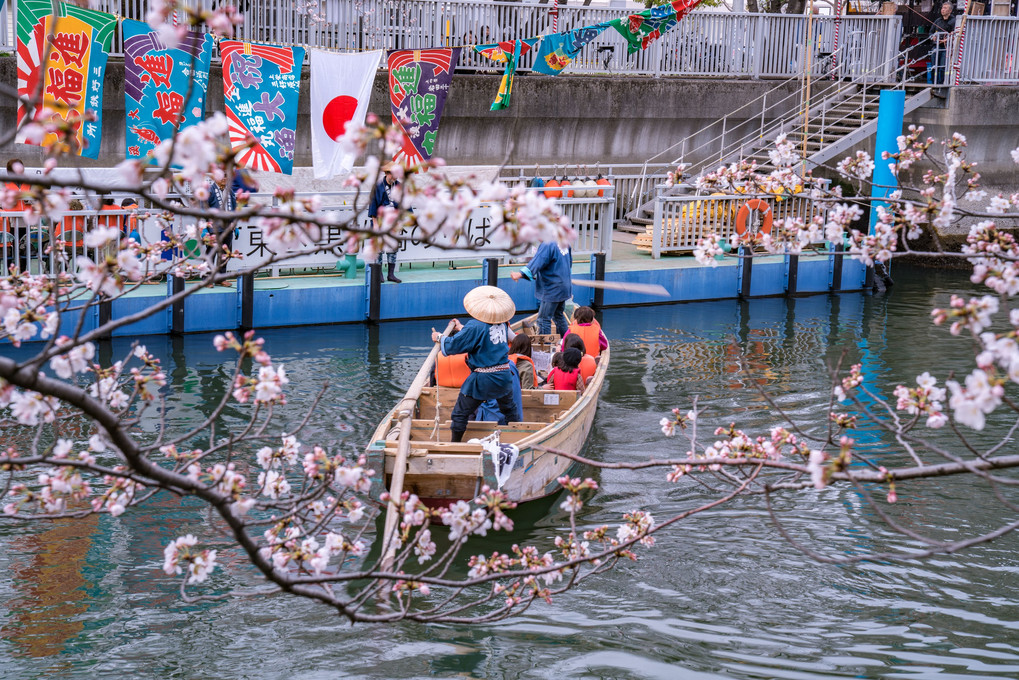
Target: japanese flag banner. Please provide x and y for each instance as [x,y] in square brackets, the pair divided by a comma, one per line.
[341,86]
[156,81]
[72,75]
[261,84]
[419,81]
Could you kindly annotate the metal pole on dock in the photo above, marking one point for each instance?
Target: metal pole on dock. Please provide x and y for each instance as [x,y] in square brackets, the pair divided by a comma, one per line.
[176,285]
[373,283]
[792,274]
[490,271]
[745,271]
[598,274]
[246,300]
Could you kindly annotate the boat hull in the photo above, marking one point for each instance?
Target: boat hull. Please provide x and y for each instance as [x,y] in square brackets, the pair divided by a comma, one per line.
[440,472]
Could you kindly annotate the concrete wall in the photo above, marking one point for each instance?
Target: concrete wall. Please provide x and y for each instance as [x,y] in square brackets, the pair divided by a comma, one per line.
[581,120]
[565,119]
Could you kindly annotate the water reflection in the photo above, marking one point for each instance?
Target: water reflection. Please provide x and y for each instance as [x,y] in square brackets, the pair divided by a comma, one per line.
[721,595]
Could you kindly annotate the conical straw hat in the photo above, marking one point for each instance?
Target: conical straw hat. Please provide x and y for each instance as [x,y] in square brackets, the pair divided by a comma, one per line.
[489,304]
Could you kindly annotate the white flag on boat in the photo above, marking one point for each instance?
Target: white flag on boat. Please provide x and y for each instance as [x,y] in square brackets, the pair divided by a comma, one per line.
[341,86]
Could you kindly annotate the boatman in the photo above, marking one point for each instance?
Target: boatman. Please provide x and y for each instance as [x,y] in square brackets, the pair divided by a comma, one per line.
[550,269]
[485,340]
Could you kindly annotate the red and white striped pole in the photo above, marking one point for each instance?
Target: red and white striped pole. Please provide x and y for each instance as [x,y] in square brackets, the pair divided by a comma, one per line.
[555,16]
[835,46]
[962,38]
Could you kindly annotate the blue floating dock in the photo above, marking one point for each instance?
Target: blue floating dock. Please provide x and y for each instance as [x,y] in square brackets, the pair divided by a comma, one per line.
[436,290]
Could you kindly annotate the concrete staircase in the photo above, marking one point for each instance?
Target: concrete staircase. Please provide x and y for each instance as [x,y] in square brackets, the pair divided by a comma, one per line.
[841,119]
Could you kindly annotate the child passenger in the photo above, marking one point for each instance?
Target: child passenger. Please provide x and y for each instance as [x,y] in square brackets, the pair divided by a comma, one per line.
[565,375]
[520,355]
[588,329]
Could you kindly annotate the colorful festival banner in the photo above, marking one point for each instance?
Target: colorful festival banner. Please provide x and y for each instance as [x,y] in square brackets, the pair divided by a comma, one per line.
[156,80]
[261,84]
[557,51]
[508,52]
[72,76]
[642,29]
[418,84]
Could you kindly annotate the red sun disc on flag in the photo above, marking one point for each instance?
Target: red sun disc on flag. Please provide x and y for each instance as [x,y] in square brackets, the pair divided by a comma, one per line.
[337,112]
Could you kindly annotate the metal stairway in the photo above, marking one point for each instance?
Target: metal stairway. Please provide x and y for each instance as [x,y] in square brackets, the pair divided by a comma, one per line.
[842,114]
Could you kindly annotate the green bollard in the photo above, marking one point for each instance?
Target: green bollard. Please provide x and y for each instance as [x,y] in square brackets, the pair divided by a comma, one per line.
[348,265]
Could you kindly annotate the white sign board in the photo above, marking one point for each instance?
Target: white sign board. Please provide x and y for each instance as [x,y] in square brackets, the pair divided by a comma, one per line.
[477,239]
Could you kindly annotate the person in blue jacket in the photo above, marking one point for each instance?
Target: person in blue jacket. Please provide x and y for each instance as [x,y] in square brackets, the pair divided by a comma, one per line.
[550,270]
[485,340]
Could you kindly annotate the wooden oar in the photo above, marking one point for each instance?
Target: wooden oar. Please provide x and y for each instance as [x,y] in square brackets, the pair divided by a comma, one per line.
[639,288]
[405,412]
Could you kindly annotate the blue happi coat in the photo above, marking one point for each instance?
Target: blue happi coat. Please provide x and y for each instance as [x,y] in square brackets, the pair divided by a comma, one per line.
[486,345]
[550,270]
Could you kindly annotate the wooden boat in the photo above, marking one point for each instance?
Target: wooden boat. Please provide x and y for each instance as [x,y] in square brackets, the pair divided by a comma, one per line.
[411,448]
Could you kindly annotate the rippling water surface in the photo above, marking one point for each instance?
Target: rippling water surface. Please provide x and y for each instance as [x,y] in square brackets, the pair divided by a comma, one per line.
[722,595]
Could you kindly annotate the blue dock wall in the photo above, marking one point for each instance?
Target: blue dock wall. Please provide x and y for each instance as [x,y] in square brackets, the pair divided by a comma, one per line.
[290,305]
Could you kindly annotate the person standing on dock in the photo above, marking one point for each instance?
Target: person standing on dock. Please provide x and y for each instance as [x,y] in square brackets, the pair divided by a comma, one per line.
[485,340]
[942,28]
[382,196]
[550,269]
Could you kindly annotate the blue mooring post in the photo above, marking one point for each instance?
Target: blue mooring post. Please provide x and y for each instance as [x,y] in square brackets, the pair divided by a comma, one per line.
[175,284]
[598,274]
[490,271]
[373,289]
[890,110]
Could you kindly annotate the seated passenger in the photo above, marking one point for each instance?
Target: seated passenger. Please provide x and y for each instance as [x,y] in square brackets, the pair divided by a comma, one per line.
[588,329]
[588,364]
[520,356]
[565,374]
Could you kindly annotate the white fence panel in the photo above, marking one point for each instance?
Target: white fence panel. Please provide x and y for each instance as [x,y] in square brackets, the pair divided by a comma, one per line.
[990,50]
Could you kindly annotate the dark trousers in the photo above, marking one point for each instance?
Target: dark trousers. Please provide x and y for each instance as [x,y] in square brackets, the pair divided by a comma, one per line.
[465,406]
[549,312]
[228,242]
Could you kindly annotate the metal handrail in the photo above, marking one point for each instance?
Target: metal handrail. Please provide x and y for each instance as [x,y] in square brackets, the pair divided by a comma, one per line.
[766,129]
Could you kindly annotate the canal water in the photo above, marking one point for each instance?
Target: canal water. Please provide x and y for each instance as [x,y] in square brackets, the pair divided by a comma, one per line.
[721,595]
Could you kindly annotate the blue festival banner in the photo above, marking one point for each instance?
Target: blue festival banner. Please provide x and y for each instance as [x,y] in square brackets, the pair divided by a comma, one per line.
[156,80]
[261,84]
[558,50]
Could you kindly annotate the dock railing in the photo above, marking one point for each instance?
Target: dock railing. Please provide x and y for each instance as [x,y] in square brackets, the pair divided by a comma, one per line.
[682,221]
[52,246]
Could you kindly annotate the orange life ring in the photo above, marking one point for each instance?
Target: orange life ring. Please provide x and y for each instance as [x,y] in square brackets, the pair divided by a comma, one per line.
[743,215]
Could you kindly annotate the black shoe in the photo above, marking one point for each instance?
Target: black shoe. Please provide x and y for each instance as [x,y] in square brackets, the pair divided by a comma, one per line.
[392,274]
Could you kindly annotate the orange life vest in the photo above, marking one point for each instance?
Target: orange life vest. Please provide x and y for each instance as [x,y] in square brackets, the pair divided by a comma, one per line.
[5,223]
[70,231]
[587,367]
[111,220]
[516,357]
[589,334]
[451,371]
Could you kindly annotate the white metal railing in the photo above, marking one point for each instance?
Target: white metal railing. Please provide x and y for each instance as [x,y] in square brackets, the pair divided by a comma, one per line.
[51,246]
[705,43]
[990,52]
[836,105]
[624,178]
[681,221]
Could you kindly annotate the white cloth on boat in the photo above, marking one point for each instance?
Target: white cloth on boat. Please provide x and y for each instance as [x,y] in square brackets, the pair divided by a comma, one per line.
[504,456]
